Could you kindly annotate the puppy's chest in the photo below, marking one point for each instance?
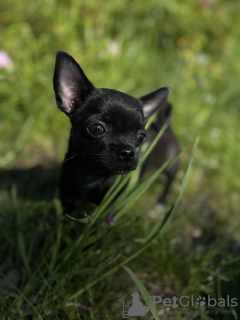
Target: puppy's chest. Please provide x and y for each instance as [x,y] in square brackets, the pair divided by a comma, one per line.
[94,191]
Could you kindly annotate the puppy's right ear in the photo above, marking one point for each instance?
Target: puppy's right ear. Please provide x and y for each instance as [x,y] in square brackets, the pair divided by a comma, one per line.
[154,101]
[70,84]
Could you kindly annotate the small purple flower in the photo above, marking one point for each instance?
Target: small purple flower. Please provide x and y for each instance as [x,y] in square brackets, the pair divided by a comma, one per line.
[110,220]
[5,60]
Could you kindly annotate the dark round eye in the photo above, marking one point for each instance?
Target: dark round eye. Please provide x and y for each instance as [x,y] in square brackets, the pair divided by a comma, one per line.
[96,129]
[140,138]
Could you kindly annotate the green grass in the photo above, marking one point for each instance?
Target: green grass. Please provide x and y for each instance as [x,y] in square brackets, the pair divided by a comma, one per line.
[70,269]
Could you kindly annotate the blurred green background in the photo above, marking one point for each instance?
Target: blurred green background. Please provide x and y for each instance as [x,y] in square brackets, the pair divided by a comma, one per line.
[134,47]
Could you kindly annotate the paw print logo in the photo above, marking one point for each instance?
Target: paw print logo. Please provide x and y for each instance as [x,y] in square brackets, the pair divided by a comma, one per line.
[201,301]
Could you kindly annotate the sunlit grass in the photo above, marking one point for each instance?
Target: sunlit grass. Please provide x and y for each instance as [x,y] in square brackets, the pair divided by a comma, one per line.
[70,268]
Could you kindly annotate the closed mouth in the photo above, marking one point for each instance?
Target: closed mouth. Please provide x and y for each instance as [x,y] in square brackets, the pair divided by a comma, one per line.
[121,169]
[120,172]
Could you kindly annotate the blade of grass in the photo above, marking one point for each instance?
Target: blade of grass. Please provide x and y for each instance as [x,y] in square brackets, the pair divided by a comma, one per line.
[22,295]
[125,201]
[153,144]
[111,196]
[113,187]
[131,199]
[158,227]
[152,236]
[56,245]
[20,237]
[116,188]
[143,292]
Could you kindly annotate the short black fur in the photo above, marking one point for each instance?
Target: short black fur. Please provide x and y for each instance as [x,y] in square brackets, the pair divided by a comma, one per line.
[107,128]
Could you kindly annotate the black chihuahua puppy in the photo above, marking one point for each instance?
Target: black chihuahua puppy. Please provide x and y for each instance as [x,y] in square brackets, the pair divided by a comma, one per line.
[107,127]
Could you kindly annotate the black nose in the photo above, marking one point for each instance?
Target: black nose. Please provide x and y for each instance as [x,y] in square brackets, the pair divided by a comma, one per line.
[125,153]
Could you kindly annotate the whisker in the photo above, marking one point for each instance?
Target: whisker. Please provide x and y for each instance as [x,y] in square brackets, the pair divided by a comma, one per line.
[66,160]
[82,155]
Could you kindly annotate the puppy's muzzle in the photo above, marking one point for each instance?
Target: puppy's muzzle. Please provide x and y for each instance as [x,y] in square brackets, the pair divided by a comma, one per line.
[125,153]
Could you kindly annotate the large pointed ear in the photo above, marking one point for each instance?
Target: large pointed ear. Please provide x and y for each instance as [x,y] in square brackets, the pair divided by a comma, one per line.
[153,101]
[70,84]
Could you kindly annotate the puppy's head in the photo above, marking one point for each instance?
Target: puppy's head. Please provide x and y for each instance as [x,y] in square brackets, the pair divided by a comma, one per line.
[107,125]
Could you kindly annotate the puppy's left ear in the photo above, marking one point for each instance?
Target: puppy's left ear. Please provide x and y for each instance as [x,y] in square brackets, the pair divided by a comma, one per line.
[153,101]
